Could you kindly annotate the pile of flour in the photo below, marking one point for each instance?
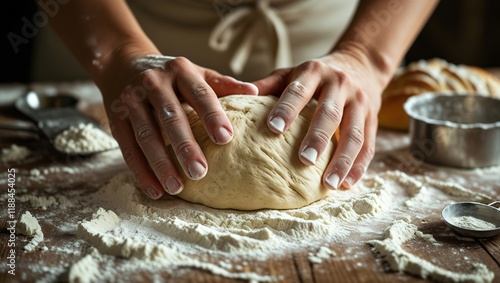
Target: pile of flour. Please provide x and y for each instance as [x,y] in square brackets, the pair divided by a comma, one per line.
[15,153]
[471,222]
[84,139]
[173,233]
[29,226]
[391,247]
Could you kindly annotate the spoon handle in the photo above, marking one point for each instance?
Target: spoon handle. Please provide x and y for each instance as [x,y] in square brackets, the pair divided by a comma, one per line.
[494,203]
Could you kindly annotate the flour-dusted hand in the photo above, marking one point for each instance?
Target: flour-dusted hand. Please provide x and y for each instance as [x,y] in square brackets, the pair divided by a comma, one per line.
[347,82]
[151,105]
[348,97]
[143,94]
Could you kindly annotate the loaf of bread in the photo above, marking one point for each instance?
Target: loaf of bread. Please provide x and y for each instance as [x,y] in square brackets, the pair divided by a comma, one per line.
[434,75]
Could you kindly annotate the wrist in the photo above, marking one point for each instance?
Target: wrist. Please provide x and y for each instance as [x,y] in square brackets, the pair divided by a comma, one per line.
[118,67]
[373,59]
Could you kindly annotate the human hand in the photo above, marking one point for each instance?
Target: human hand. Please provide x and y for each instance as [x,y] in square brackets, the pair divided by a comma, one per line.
[143,98]
[349,96]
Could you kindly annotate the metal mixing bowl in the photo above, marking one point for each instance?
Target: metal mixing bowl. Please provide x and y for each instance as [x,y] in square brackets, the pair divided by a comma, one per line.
[455,130]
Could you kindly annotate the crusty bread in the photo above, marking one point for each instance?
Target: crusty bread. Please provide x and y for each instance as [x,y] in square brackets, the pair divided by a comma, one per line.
[434,75]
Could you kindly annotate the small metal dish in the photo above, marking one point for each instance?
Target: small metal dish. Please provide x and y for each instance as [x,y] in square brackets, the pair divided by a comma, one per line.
[455,130]
[480,212]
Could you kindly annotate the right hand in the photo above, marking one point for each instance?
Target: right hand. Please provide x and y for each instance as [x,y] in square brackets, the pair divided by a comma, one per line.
[137,88]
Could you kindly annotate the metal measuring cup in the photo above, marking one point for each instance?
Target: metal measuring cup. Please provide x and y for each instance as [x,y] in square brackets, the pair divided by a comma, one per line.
[483,212]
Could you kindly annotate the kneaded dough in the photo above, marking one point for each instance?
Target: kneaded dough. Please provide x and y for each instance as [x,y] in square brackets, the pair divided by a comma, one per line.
[257,169]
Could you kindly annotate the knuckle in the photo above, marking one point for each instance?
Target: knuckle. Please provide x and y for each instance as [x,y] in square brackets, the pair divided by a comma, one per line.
[199,91]
[170,115]
[345,160]
[321,136]
[286,110]
[314,66]
[362,97]
[184,149]
[161,164]
[144,133]
[129,155]
[342,78]
[355,135]
[297,90]
[212,116]
[149,80]
[178,63]
[331,112]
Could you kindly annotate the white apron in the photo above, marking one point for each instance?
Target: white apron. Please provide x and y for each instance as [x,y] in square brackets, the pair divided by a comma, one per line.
[246,39]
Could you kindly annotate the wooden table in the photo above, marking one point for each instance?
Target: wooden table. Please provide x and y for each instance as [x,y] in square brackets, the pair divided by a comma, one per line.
[64,248]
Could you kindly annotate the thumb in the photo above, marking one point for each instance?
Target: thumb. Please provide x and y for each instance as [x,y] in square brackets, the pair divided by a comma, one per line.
[274,84]
[225,85]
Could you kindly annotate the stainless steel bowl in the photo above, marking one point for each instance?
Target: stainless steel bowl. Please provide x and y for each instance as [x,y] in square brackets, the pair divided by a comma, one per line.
[455,130]
[478,211]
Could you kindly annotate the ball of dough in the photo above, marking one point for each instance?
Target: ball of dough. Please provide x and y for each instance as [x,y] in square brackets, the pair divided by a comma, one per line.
[257,169]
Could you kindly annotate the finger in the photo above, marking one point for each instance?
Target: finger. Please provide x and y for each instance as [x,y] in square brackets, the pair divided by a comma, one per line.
[350,142]
[295,96]
[324,123]
[202,98]
[274,84]
[175,124]
[135,159]
[365,156]
[225,85]
[150,141]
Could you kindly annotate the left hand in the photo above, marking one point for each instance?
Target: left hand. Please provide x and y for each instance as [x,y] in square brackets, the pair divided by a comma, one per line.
[348,91]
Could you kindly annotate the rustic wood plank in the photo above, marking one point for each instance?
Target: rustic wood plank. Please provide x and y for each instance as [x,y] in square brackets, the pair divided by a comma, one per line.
[350,262]
[302,267]
[492,246]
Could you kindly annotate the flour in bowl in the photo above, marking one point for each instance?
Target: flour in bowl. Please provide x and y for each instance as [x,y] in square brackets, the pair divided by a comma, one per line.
[471,222]
[84,139]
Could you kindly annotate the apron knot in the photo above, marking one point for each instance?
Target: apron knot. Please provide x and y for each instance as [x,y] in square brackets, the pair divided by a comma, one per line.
[250,23]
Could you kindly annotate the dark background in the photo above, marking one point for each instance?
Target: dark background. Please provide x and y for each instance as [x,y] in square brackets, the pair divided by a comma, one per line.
[459,31]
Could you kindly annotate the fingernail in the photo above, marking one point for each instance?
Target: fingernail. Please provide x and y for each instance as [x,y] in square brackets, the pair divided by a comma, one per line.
[196,170]
[173,186]
[333,180]
[255,88]
[310,154]
[222,136]
[152,192]
[278,124]
[348,182]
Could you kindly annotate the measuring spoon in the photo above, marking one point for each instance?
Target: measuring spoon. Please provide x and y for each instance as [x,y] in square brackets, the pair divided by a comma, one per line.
[482,212]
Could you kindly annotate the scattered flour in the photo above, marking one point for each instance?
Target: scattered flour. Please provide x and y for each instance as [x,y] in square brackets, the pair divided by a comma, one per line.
[471,222]
[15,153]
[86,270]
[84,139]
[29,226]
[399,232]
[42,202]
[173,233]
[45,202]
[323,253]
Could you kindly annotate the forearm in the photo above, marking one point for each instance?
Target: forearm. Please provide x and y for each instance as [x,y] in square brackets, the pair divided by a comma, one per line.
[383,31]
[95,30]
